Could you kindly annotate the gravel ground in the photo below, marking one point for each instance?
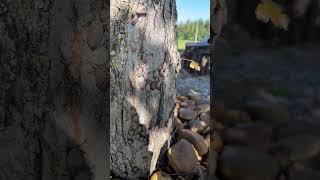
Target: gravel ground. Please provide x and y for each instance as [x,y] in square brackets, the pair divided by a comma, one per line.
[187,82]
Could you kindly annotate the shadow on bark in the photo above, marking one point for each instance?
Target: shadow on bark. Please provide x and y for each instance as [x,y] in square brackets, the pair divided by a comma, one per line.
[143,70]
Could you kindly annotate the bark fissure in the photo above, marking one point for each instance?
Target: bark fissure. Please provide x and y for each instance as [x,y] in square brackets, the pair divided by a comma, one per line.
[144,77]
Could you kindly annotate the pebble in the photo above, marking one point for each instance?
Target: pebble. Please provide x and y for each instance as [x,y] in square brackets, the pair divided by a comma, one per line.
[295,148]
[197,126]
[203,108]
[255,135]
[187,114]
[193,96]
[243,163]
[230,116]
[182,157]
[196,139]
[267,112]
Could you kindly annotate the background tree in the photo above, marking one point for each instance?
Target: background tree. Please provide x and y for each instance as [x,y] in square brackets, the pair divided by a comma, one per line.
[187,30]
[144,66]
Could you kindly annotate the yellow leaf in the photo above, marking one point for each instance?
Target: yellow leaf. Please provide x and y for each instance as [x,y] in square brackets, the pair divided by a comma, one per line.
[268,10]
[281,21]
[194,65]
[159,176]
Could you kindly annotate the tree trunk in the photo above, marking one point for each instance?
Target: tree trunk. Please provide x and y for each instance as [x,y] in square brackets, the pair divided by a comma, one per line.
[53,98]
[143,68]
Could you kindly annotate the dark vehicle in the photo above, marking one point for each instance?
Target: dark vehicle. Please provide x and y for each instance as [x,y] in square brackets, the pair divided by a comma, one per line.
[199,52]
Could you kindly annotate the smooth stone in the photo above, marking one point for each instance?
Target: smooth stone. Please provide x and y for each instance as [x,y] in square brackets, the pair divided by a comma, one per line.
[267,112]
[242,163]
[295,148]
[182,98]
[255,135]
[196,139]
[193,96]
[230,116]
[203,108]
[188,104]
[187,114]
[182,157]
[197,126]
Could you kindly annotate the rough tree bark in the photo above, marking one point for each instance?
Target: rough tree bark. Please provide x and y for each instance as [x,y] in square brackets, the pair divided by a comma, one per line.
[53,98]
[143,67]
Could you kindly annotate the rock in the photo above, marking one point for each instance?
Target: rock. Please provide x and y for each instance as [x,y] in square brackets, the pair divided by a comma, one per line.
[182,157]
[182,98]
[188,104]
[205,117]
[95,34]
[187,114]
[242,163]
[206,131]
[230,116]
[160,176]
[295,148]
[203,101]
[298,127]
[196,139]
[217,126]
[267,112]
[193,96]
[197,126]
[202,173]
[203,108]
[299,172]
[178,123]
[255,135]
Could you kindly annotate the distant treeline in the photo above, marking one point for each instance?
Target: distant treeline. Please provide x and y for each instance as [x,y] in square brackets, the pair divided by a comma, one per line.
[187,30]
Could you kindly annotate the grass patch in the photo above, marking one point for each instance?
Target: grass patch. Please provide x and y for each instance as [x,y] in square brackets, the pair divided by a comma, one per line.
[182,44]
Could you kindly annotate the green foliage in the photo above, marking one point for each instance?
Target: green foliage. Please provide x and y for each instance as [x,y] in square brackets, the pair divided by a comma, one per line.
[182,44]
[187,30]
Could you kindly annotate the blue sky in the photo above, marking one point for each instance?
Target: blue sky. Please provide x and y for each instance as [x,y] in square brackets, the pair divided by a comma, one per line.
[193,9]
